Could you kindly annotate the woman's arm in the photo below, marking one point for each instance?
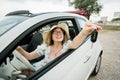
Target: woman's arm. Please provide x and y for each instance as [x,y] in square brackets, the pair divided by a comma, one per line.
[27,55]
[89,27]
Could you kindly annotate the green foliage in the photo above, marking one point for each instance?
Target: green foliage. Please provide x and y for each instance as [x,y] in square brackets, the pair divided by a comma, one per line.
[91,6]
[116,19]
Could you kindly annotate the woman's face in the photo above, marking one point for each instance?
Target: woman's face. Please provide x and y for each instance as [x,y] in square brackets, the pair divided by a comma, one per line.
[57,35]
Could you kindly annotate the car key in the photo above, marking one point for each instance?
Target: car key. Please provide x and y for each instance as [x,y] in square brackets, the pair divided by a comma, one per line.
[94,35]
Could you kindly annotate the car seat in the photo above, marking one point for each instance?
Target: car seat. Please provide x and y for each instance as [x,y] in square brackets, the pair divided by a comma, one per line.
[37,39]
[72,33]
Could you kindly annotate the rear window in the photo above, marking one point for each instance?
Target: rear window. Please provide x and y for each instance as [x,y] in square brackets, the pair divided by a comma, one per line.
[8,22]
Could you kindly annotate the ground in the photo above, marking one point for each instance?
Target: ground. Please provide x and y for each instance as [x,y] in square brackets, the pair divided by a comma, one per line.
[110,66]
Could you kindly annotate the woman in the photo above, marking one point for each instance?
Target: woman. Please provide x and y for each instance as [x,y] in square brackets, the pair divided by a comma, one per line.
[57,42]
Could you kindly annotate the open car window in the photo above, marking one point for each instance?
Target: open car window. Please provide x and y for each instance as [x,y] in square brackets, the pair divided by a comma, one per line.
[37,38]
[19,64]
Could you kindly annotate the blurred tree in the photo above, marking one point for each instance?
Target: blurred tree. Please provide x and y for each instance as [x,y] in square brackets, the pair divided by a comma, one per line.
[90,6]
[116,20]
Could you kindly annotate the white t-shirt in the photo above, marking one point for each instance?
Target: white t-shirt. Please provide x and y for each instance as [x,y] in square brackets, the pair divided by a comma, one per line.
[45,50]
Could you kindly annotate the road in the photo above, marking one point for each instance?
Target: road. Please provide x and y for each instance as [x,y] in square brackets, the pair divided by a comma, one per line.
[110,66]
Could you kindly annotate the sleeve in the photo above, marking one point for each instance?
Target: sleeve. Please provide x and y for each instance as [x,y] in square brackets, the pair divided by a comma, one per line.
[40,50]
[65,45]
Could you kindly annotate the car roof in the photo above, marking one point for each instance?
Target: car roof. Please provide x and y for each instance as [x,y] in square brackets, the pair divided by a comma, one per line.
[29,14]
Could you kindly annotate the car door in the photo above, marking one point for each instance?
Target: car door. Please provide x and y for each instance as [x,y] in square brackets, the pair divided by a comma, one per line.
[74,67]
[89,58]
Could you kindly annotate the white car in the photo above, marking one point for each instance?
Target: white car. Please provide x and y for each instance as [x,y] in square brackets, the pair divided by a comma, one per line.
[25,29]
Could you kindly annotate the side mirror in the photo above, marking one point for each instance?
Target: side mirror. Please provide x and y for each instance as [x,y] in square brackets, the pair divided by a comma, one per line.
[94,36]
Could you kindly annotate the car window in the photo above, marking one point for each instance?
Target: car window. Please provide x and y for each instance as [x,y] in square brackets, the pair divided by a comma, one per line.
[32,40]
[81,22]
[9,22]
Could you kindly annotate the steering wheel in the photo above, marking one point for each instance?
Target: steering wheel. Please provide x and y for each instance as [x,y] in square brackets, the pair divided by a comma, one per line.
[23,60]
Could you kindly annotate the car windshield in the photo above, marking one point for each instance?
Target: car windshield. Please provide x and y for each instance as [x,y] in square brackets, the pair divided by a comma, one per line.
[8,22]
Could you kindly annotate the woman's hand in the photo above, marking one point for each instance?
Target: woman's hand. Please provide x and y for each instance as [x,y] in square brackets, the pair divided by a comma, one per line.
[89,27]
[18,48]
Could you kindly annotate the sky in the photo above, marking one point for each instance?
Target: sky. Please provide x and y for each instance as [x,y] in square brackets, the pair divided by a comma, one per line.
[38,6]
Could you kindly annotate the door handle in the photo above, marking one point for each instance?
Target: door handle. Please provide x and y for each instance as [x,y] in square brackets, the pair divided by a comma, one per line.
[87,58]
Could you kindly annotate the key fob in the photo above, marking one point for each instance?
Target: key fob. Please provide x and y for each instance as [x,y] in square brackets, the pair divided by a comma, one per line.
[94,35]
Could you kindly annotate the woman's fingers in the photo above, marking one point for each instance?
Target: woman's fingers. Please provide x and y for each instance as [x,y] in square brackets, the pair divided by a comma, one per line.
[90,27]
[93,26]
[99,28]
